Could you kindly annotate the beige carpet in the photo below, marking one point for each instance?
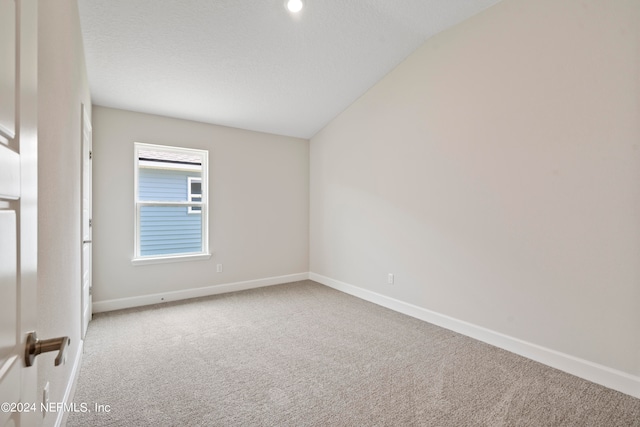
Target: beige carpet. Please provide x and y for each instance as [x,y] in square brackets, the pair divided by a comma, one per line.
[303,354]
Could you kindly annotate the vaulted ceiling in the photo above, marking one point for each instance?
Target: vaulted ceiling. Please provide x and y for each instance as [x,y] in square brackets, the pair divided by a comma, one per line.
[252,64]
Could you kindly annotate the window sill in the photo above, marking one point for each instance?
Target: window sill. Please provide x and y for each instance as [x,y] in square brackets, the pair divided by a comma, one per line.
[171,258]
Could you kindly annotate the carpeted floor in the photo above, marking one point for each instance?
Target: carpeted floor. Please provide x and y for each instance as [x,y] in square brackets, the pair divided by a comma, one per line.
[302,354]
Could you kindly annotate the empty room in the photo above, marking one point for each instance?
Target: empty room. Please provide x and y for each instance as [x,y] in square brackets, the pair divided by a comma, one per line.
[320,213]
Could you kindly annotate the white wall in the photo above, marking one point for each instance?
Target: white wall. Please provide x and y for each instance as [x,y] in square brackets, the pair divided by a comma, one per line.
[258,195]
[496,172]
[63,87]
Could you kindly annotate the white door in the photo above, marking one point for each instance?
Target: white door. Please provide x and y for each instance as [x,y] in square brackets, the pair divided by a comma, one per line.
[86,220]
[18,208]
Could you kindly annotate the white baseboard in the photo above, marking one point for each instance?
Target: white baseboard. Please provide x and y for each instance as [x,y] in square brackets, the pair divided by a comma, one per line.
[599,374]
[69,391]
[117,304]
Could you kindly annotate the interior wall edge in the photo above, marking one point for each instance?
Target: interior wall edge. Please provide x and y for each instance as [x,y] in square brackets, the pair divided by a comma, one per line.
[70,389]
[585,369]
[142,300]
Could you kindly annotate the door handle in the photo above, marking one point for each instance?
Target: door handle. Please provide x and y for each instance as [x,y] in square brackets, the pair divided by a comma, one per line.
[86,241]
[35,346]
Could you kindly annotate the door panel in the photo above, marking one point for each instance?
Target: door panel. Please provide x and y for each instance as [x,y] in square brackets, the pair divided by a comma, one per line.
[86,287]
[86,220]
[9,173]
[8,290]
[9,345]
[7,68]
[86,175]
[18,205]
[10,387]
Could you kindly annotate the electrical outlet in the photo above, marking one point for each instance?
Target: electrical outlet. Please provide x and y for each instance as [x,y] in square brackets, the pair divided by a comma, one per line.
[390,278]
[219,268]
[45,395]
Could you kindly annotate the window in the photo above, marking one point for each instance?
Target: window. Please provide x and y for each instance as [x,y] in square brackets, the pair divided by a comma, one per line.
[170,203]
[194,186]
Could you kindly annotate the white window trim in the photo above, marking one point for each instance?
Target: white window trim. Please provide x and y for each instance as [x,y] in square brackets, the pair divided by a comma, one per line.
[157,259]
[171,258]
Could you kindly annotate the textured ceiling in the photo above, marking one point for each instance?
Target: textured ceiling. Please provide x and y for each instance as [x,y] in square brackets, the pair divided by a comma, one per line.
[250,63]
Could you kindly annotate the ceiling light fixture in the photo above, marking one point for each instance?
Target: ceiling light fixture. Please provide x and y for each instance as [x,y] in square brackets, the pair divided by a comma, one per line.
[294,6]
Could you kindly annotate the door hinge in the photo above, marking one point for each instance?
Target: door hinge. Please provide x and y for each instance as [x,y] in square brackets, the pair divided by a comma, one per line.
[90,222]
[90,155]
[90,290]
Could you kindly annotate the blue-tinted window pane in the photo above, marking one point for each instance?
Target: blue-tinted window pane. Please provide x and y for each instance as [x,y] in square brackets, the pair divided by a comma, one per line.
[164,184]
[168,230]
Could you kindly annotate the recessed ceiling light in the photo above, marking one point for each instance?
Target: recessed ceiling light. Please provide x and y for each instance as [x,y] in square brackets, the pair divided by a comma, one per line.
[294,6]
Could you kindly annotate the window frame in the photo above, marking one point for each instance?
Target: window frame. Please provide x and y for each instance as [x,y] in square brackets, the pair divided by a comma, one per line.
[203,204]
[190,194]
